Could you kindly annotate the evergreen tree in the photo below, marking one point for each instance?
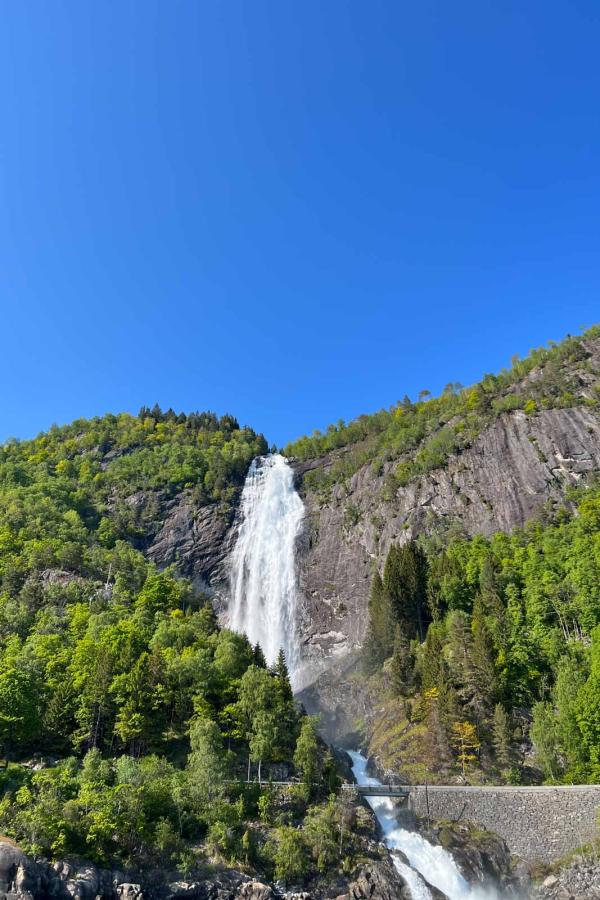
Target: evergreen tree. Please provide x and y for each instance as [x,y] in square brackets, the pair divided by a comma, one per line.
[402,665]
[448,702]
[379,643]
[280,670]
[258,657]
[491,599]
[405,581]
[286,710]
[431,657]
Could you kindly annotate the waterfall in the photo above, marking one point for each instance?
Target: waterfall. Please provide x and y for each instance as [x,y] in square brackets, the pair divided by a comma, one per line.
[264,594]
[430,861]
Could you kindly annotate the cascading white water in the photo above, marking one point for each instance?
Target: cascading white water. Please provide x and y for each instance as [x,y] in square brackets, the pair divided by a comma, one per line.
[434,863]
[418,888]
[264,593]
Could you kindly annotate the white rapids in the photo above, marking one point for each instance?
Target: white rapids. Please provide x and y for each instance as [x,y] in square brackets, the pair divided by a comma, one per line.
[264,592]
[432,862]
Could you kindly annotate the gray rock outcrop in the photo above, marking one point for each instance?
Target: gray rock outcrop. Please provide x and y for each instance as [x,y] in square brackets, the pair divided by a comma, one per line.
[196,539]
[580,880]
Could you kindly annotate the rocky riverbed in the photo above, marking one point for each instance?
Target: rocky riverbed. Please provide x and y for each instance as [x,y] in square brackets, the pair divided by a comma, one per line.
[579,880]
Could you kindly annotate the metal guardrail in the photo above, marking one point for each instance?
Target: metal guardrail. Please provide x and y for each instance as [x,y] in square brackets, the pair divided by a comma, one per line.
[379,790]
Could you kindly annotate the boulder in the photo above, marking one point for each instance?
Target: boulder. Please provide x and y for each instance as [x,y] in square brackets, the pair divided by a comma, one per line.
[378,881]
[129,891]
[255,890]
[11,858]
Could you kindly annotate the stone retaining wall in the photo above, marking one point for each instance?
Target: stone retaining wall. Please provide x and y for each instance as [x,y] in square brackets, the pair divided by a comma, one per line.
[538,824]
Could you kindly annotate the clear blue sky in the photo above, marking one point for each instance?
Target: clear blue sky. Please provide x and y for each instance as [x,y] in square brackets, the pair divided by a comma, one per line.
[293,210]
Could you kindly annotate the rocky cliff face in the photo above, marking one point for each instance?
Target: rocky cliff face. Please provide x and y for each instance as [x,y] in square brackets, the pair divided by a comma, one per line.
[197,540]
[515,467]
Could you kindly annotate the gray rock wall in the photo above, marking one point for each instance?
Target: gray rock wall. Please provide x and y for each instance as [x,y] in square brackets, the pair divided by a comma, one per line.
[538,824]
[514,467]
[197,540]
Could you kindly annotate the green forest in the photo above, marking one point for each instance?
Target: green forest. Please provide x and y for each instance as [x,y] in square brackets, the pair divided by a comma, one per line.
[117,672]
[489,650]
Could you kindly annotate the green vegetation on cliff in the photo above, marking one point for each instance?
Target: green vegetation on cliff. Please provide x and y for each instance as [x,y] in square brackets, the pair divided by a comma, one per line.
[66,497]
[151,715]
[420,436]
[511,652]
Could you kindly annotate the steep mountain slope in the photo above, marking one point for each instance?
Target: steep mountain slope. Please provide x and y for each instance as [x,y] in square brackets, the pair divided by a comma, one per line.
[514,468]
[500,469]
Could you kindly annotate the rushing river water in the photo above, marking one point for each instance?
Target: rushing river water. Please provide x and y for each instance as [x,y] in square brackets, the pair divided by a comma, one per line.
[430,861]
[264,592]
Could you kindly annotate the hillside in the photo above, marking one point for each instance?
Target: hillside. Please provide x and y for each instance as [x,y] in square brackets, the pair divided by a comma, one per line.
[453,596]
[519,442]
[114,533]
[143,716]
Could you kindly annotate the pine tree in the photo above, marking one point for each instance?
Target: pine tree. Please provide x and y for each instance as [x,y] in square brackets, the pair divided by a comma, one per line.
[370,655]
[431,658]
[501,736]
[402,666]
[405,581]
[286,710]
[258,657]
[448,699]
[379,643]
[280,670]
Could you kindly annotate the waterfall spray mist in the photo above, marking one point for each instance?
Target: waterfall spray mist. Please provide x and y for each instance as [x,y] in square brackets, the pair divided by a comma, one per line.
[264,593]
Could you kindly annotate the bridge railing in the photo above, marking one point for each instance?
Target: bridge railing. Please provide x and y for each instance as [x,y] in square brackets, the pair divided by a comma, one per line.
[379,790]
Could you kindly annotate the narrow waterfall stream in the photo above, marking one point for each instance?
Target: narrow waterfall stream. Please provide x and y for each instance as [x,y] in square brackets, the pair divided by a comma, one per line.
[430,861]
[264,593]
